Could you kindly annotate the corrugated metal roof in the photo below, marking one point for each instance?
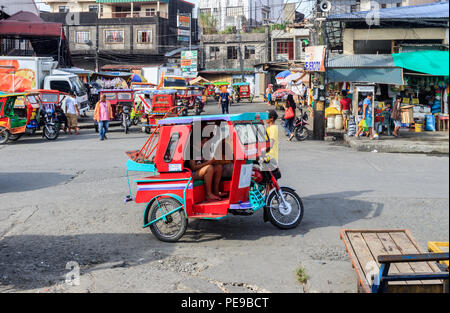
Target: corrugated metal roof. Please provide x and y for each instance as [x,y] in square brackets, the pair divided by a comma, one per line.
[439,10]
[360,61]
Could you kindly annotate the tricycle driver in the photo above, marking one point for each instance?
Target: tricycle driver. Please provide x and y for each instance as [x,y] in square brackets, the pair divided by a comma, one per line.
[207,170]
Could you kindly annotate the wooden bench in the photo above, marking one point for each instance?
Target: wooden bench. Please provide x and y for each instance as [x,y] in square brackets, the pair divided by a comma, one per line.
[365,247]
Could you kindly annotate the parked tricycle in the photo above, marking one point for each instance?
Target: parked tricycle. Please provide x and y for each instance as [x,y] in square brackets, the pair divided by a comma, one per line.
[242,91]
[122,103]
[51,100]
[158,104]
[172,195]
[191,98]
[12,126]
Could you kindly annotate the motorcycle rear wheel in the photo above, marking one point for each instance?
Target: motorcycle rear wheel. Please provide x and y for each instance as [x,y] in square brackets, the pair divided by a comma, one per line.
[301,133]
[285,217]
[51,134]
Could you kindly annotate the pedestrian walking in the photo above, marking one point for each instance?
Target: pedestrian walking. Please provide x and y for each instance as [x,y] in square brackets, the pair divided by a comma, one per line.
[102,115]
[345,108]
[72,113]
[396,115]
[289,116]
[224,101]
[367,116]
[269,92]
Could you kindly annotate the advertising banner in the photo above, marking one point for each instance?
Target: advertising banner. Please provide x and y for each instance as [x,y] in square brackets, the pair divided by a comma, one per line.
[315,58]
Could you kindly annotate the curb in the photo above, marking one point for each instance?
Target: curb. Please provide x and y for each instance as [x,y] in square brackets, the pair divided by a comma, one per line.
[385,147]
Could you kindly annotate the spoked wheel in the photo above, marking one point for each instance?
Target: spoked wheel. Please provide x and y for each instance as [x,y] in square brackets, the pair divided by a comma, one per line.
[301,133]
[173,227]
[4,135]
[287,214]
[51,132]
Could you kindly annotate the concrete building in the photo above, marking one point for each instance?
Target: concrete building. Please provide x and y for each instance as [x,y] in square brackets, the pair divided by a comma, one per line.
[347,6]
[411,25]
[219,58]
[110,32]
[236,12]
[287,45]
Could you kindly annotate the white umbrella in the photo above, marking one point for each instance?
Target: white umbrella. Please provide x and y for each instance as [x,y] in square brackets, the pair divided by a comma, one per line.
[293,77]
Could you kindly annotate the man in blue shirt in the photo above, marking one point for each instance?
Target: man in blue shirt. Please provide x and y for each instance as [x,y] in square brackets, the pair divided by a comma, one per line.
[367,116]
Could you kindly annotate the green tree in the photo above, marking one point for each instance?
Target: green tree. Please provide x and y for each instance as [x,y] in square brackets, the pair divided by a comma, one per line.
[208,23]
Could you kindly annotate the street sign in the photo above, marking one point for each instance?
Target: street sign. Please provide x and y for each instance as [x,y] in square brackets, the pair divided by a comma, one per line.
[189,63]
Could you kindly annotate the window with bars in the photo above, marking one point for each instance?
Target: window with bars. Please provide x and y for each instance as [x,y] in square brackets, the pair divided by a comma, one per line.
[114,36]
[232,53]
[83,36]
[93,8]
[145,36]
[286,48]
[235,11]
[150,12]
[214,53]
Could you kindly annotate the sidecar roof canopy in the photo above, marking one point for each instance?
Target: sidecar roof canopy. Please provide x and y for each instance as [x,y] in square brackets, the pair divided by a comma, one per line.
[244,117]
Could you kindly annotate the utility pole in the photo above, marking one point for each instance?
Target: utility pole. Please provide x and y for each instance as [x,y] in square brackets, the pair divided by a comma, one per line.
[319,39]
[241,60]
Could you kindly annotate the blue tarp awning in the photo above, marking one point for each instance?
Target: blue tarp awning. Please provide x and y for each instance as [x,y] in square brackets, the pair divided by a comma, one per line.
[390,76]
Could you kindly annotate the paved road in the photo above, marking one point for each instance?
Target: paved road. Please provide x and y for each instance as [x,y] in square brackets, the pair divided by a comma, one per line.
[63,201]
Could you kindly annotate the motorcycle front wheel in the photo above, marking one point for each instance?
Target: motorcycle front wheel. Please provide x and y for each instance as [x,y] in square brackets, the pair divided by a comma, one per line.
[285,214]
[51,132]
[125,123]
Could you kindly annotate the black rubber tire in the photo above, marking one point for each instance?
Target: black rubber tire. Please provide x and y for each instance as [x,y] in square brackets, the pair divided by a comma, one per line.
[13,137]
[301,133]
[291,192]
[4,135]
[135,121]
[55,132]
[154,209]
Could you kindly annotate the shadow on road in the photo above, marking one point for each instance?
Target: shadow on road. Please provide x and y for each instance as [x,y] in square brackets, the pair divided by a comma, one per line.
[36,261]
[20,182]
[333,209]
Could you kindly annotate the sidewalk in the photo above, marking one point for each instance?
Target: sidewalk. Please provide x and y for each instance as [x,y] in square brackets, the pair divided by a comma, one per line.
[408,142]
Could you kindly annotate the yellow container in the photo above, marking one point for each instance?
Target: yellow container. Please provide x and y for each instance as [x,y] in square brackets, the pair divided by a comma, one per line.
[419,128]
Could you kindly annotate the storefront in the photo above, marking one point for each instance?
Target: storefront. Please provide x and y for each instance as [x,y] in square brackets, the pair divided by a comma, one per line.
[425,93]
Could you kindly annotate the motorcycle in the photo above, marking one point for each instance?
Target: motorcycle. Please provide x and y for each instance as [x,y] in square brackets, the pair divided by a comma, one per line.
[300,130]
[50,124]
[126,118]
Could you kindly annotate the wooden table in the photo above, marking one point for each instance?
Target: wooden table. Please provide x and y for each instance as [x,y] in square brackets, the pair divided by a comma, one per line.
[364,247]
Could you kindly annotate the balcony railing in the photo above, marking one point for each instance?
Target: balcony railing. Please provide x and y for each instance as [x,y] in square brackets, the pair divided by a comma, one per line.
[129,14]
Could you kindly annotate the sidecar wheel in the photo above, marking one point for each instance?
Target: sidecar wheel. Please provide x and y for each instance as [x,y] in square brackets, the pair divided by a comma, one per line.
[175,225]
[285,217]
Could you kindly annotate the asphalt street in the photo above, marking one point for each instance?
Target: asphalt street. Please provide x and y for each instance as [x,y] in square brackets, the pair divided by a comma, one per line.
[62,202]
